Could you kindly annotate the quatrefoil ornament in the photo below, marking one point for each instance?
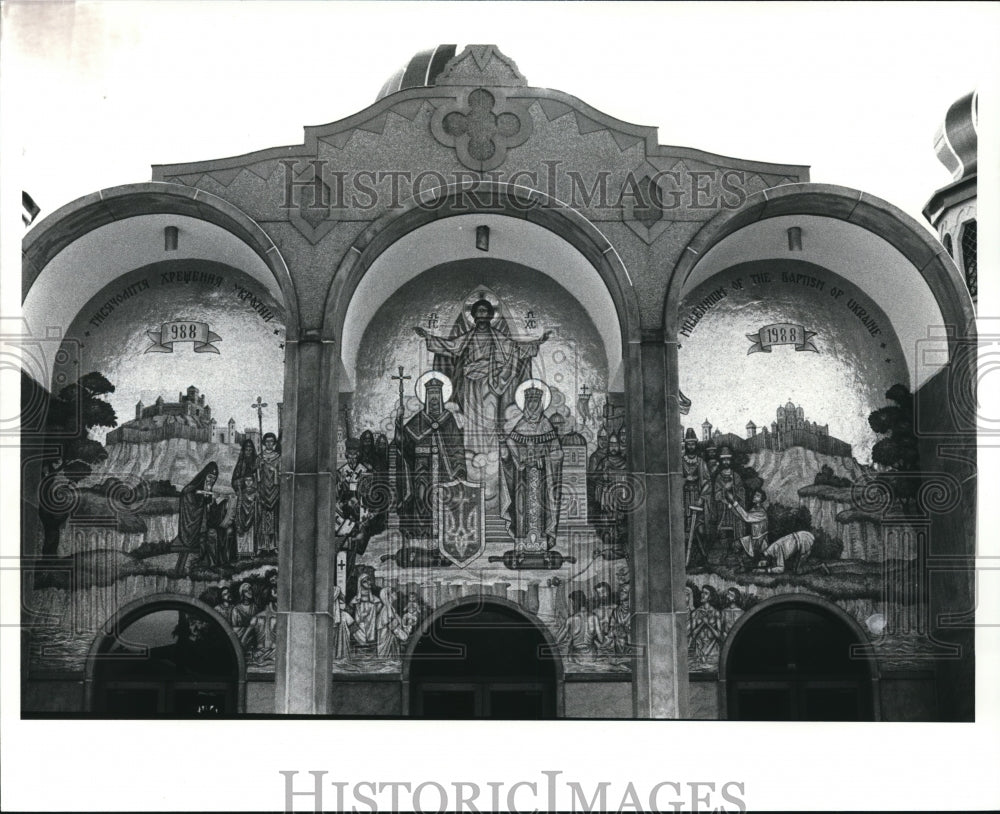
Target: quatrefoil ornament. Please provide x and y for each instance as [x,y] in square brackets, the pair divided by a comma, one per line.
[482,129]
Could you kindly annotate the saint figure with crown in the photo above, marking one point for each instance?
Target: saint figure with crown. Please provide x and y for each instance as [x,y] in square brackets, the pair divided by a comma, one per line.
[531,471]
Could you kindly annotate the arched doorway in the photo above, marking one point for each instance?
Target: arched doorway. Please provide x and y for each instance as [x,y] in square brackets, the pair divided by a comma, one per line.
[796,661]
[165,658]
[483,660]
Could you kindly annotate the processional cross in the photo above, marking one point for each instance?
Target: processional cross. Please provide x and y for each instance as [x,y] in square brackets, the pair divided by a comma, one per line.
[401,378]
[259,407]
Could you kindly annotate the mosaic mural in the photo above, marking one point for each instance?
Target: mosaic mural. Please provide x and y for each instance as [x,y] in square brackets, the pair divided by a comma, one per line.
[484,456]
[796,400]
[161,473]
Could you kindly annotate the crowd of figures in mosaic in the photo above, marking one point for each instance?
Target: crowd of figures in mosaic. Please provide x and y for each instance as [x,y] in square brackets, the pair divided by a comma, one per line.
[482,452]
[142,481]
[488,480]
[226,513]
[499,470]
[783,504]
[711,619]
[250,606]
[377,617]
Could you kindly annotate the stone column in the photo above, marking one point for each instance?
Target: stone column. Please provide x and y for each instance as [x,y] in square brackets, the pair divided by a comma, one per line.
[306,566]
[659,627]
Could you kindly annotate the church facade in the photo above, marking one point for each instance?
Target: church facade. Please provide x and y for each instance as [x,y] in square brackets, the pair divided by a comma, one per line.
[468,332]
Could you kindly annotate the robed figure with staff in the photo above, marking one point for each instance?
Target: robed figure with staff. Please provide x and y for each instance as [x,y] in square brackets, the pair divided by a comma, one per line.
[431,452]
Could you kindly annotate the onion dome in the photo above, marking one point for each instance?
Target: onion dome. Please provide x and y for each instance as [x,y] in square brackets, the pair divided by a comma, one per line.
[421,71]
[957,139]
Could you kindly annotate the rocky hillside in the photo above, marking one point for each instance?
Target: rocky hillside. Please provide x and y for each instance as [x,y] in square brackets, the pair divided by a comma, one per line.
[154,519]
[825,503]
[786,472]
[176,460]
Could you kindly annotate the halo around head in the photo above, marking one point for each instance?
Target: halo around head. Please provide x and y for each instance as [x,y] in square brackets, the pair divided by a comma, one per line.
[527,385]
[420,386]
[472,302]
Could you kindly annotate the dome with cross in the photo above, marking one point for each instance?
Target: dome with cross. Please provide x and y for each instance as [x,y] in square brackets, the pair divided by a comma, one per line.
[476,64]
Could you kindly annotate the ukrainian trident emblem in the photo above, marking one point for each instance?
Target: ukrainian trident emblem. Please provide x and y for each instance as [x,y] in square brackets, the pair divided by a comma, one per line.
[460,521]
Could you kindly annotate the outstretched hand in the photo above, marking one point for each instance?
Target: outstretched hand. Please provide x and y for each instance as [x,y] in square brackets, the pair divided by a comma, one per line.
[420,332]
[545,336]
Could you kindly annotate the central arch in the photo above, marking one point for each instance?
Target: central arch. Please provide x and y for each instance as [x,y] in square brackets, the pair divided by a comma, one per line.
[600,285]
[482,657]
[487,198]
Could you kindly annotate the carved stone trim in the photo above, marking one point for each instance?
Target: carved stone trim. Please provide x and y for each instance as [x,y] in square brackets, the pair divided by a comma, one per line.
[481,126]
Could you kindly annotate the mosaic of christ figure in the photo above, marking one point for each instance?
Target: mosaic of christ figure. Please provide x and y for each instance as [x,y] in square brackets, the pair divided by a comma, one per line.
[486,366]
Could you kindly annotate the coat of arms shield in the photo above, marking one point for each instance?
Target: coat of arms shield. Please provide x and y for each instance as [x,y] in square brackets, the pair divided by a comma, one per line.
[460,521]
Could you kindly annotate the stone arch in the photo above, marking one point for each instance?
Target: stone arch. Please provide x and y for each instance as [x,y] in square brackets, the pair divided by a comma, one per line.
[489,198]
[87,244]
[641,360]
[130,612]
[542,213]
[68,224]
[475,603]
[812,602]
[927,256]
[943,282]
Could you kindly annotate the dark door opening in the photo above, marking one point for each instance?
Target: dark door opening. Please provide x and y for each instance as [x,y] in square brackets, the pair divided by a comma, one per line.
[793,662]
[170,662]
[483,661]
